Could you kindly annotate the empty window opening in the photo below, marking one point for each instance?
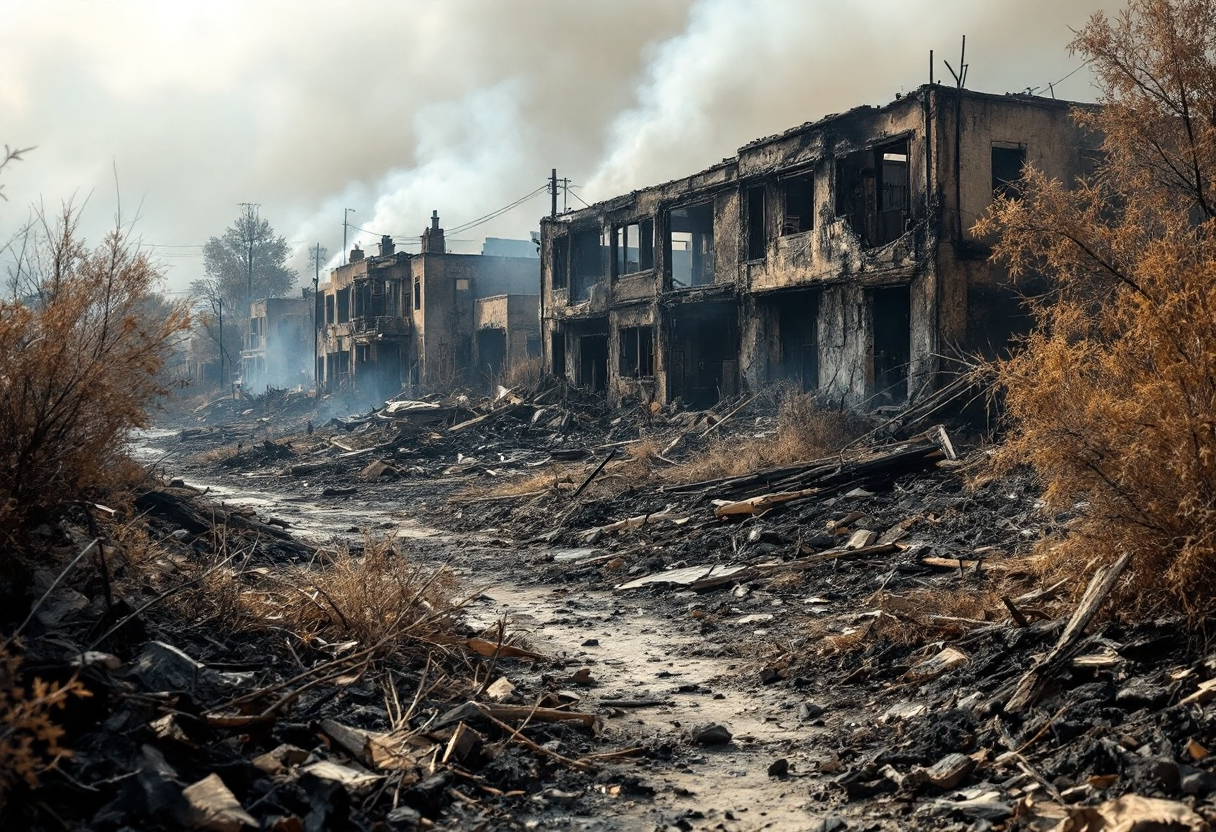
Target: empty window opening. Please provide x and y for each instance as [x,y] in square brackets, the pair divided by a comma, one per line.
[872,192]
[586,262]
[891,319]
[330,317]
[559,268]
[799,193]
[637,352]
[462,284]
[417,293]
[692,245]
[757,234]
[532,345]
[557,346]
[343,305]
[633,248]
[1007,162]
[593,362]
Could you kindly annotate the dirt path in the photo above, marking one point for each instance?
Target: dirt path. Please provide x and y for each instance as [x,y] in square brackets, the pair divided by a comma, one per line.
[634,654]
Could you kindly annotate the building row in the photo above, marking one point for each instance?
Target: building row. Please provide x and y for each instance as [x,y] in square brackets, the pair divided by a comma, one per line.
[837,256]
[393,321]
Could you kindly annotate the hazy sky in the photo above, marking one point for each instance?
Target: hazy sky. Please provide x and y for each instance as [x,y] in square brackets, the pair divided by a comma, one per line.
[396,108]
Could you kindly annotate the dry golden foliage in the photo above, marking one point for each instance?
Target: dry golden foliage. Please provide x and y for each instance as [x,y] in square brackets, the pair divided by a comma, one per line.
[1113,397]
[79,358]
[522,374]
[805,431]
[29,738]
[374,597]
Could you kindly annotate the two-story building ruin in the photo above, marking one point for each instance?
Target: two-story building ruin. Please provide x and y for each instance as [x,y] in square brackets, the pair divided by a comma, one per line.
[279,344]
[428,321]
[837,255]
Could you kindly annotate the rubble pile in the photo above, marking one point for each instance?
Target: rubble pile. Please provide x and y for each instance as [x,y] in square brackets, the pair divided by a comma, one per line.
[885,602]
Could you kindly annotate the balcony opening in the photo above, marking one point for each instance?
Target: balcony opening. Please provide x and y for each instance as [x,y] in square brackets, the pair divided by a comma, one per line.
[799,203]
[691,238]
[872,192]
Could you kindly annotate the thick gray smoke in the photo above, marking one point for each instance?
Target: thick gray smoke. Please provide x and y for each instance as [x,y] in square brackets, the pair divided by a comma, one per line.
[396,109]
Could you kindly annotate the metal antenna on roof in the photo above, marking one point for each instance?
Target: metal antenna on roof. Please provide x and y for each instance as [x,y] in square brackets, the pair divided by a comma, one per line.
[960,77]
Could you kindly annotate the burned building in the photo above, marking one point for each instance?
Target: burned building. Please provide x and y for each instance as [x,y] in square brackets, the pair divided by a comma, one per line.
[428,321]
[279,344]
[837,255]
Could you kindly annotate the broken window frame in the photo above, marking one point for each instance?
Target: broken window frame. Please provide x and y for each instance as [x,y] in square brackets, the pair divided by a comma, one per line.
[636,352]
[757,224]
[559,262]
[1013,156]
[640,231]
[343,305]
[586,265]
[797,203]
[700,243]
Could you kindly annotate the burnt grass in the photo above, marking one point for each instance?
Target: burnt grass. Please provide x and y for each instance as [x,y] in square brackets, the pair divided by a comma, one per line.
[892,662]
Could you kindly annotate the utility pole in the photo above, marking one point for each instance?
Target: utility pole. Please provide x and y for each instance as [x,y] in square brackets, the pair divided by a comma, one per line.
[552,194]
[316,323]
[344,227]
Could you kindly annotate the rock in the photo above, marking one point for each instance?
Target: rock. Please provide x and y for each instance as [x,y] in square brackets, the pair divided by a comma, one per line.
[810,710]
[162,667]
[378,469]
[950,771]
[770,675]
[591,642]
[832,823]
[711,733]
[214,807]
[1196,781]
[779,768]
[1141,693]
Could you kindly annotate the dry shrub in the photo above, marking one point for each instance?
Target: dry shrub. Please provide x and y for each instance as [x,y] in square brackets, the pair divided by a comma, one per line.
[377,597]
[1113,398]
[522,375]
[805,431]
[29,738]
[79,361]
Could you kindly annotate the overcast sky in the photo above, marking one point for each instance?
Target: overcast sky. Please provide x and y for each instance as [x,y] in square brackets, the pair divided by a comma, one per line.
[396,108]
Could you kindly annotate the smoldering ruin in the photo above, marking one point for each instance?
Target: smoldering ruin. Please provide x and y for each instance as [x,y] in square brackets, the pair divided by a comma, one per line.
[715,504]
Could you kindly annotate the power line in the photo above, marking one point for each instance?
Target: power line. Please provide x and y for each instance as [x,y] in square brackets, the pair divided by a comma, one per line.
[480,220]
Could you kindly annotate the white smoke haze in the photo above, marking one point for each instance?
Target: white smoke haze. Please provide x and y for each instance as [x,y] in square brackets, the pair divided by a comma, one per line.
[399,108]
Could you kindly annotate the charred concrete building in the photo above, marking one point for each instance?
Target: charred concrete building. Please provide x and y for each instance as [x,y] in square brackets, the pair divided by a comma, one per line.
[837,255]
[279,344]
[428,321]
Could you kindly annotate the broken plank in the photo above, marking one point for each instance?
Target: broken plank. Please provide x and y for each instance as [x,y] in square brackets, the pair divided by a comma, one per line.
[1035,680]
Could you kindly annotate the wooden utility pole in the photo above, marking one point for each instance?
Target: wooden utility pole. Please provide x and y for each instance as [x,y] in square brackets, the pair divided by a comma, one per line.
[552,194]
[316,322]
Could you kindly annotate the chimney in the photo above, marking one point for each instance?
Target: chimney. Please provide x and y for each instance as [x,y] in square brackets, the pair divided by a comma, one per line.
[432,238]
[387,249]
[356,254]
